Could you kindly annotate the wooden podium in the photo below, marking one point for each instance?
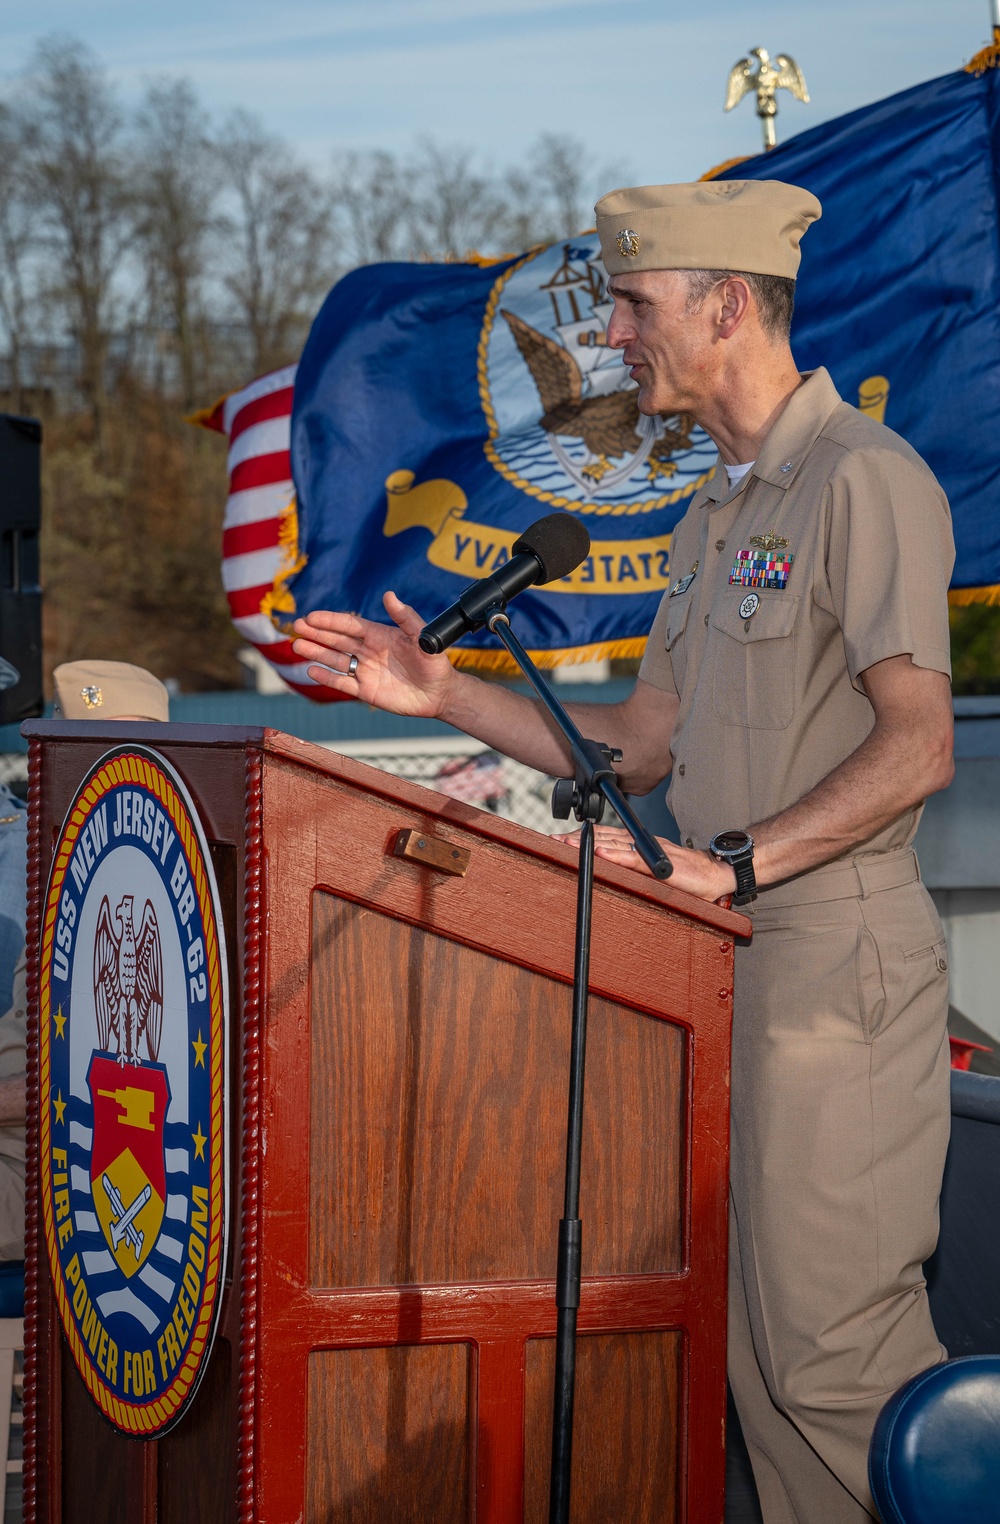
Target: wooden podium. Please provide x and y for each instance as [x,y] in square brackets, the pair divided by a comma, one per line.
[398,1110]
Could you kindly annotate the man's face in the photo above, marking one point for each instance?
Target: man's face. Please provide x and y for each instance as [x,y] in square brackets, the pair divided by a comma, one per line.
[669,350]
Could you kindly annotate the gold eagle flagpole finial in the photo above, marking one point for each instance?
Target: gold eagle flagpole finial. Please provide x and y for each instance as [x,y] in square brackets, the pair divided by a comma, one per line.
[766,79]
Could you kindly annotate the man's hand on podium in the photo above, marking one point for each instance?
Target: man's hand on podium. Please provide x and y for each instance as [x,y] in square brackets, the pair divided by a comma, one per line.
[697,873]
[391,671]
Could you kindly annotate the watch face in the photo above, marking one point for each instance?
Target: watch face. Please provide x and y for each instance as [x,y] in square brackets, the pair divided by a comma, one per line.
[731,841]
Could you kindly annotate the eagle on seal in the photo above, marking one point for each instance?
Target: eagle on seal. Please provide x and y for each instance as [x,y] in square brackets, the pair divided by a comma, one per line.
[608,423]
[128,981]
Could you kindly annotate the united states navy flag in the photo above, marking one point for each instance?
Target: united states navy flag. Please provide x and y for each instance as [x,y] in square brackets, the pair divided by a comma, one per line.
[899,289]
[438,409]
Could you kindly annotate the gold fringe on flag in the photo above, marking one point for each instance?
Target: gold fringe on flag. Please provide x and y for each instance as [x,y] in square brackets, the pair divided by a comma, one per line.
[279,601]
[209,417]
[961,597]
[720,169]
[986,58]
[503,665]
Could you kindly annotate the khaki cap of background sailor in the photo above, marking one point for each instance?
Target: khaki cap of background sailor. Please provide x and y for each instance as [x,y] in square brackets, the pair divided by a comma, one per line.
[109,690]
[751,225]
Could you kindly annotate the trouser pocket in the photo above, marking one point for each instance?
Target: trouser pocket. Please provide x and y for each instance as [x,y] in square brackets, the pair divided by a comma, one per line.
[871,987]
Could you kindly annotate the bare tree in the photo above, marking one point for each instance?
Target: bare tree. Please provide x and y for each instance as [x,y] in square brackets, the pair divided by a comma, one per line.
[278,241]
[16,245]
[527,216]
[552,195]
[176,182]
[558,165]
[453,210]
[79,173]
[372,200]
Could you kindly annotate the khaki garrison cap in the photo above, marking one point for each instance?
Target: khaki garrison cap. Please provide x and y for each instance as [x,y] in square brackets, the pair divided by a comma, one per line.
[109,690]
[751,225]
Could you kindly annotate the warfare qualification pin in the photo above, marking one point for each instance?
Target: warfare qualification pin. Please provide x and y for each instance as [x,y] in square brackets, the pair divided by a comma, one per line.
[628,243]
[768,542]
[749,606]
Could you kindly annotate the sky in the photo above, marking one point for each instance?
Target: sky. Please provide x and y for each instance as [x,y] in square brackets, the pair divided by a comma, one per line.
[640,82]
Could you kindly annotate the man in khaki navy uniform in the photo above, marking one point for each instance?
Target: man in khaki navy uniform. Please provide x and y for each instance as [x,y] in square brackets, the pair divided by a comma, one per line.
[796,681]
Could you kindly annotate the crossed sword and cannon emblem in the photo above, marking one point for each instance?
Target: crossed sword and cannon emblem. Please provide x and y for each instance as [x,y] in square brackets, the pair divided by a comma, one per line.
[123,1224]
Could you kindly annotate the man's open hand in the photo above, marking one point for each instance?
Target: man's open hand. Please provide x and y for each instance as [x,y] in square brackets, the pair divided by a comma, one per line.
[392,672]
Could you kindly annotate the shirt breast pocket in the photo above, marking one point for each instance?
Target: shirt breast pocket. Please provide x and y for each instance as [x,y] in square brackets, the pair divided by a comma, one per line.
[678,610]
[754,676]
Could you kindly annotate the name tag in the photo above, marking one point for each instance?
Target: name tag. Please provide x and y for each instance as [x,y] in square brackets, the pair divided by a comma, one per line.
[761,568]
[682,585]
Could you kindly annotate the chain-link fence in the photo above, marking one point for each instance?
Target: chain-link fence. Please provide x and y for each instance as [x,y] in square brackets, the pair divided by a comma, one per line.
[465,770]
[469,771]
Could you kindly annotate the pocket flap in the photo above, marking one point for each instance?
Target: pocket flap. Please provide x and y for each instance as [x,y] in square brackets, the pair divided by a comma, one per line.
[773,618]
[677,618]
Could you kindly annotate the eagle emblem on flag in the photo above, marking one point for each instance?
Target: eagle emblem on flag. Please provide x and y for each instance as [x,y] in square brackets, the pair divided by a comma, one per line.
[587,444]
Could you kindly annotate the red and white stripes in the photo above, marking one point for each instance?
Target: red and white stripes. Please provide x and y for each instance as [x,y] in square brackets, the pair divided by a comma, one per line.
[257,422]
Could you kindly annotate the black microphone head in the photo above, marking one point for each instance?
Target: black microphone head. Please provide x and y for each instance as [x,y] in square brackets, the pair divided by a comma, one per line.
[560,542]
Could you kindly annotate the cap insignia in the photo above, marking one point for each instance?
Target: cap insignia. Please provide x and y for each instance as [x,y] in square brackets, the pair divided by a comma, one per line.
[628,243]
[92,697]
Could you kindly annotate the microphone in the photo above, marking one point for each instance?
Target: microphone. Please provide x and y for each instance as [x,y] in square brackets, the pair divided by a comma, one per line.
[551,548]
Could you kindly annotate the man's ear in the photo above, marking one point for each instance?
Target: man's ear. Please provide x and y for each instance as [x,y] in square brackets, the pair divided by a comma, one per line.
[735,304]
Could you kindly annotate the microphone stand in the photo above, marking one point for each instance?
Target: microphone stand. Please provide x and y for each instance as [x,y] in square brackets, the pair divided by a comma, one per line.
[594,783]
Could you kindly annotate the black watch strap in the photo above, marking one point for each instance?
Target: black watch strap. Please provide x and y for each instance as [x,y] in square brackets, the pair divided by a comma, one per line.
[736,849]
[746,880]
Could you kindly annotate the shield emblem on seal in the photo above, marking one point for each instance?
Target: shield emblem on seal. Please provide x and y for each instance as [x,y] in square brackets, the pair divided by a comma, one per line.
[127,1162]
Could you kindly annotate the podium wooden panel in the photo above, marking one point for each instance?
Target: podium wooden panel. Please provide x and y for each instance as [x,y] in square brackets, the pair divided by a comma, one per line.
[398,1111]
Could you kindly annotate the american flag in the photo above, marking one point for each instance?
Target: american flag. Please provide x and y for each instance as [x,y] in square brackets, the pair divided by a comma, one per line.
[259,528]
[476,780]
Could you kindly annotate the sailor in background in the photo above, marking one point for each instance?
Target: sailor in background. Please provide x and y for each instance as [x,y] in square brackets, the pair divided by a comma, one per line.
[796,686]
[108,690]
[84,690]
[13,856]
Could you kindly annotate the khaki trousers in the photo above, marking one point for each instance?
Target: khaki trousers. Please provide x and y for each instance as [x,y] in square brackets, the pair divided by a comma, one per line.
[840,1123]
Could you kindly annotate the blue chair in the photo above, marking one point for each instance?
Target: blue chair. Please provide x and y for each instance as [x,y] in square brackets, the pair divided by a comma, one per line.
[935,1452]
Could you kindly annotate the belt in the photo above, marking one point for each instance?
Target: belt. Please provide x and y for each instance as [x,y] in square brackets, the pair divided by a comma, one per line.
[852,880]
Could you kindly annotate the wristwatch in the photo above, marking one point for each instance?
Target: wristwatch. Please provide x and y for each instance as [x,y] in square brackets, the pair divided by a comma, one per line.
[736,849]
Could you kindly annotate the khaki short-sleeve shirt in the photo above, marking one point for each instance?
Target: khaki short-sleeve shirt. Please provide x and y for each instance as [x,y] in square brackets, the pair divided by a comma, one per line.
[833,553]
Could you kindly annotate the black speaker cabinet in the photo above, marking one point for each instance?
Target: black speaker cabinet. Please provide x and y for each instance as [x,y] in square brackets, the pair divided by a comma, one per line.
[20,590]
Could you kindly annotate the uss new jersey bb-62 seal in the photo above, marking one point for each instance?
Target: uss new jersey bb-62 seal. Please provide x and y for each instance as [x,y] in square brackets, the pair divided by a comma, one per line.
[133,1048]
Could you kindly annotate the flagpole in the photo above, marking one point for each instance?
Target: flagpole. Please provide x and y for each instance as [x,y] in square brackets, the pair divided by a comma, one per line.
[995,9]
